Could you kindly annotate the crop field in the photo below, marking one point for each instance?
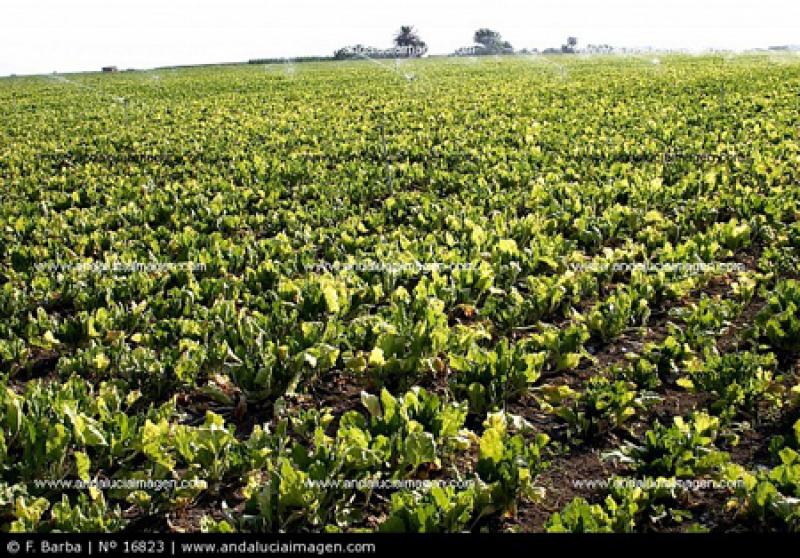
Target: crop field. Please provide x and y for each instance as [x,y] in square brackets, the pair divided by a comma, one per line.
[460,294]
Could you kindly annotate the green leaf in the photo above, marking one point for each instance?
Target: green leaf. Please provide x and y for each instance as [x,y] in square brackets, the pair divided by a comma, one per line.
[420,448]
[82,464]
[376,357]
[100,362]
[331,299]
[13,412]
[508,246]
[372,403]
[491,445]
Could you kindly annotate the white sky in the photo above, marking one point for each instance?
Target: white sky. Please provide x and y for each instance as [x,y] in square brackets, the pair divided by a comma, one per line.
[38,36]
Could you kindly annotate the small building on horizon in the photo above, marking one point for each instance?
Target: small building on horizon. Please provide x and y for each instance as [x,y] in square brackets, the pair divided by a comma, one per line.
[407,51]
[474,49]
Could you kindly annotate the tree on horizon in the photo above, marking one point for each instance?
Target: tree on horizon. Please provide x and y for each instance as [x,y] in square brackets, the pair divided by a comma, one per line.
[492,40]
[408,36]
[572,42]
